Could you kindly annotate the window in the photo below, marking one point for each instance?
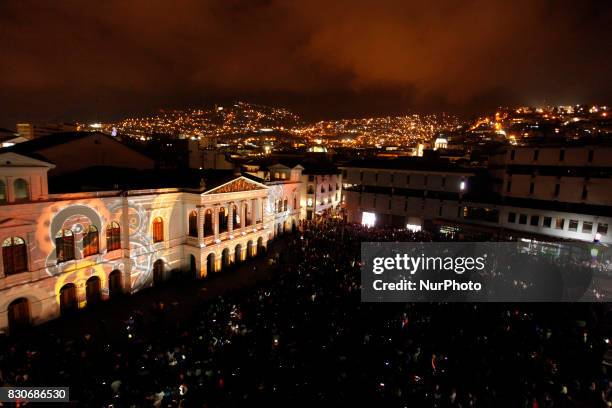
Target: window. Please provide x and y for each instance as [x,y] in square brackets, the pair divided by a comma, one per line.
[295,201]
[591,154]
[64,245]
[587,227]
[536,155]
[14,255]
[557,190]
[158,229]
[602,228]
[322,189]
[573,225]
[285,204]
[509,186]
[531,187]
[585,192]
[561,155]
[512,154]
[91,245]
[22,192]
[511,217]
[560,223]
[439,211]
[2,192]
[535,220]
[208,223]
[310,189]
[113,236]
[523,219]
[193,224]
[547,222]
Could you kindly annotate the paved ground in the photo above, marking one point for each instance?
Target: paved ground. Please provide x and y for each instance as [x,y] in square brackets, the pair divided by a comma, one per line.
[180,297]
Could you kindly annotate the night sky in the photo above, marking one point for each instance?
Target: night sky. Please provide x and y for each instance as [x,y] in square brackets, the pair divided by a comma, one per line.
[104,60]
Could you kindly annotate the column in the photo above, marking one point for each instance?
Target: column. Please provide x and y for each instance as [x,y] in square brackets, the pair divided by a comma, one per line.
[253,212]
[243,213]
[215,218]
[200,211]
[230,221]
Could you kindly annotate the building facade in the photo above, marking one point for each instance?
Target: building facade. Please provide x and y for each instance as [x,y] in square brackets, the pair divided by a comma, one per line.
[62,252]
[552,192]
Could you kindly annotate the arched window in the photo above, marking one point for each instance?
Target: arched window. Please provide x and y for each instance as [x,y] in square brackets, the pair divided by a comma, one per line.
[64,245]
[208,223]
[18,315]
[322,189]
[2,192]
[14,255]
[158,229]
[91,244]
[222,220]
[236,217]
[113,236]
[193,224]
[22,192]
[294,202]
[285,205]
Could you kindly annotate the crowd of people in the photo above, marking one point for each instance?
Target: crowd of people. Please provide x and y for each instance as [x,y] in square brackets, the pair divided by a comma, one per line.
[304,338]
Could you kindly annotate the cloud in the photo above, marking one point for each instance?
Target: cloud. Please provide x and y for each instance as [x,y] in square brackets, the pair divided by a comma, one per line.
[438,53]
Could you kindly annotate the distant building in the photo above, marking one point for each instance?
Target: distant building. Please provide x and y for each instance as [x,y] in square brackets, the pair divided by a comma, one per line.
[321,189]
[402,192]
[32,131]
[550,192]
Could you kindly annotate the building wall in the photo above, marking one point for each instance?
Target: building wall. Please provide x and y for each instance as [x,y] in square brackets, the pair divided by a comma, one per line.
[401,197]
[320,193]
[38,223]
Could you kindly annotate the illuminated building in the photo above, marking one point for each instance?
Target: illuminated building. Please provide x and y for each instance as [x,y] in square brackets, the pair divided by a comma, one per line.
[62,252]
[553,192]
[403,191]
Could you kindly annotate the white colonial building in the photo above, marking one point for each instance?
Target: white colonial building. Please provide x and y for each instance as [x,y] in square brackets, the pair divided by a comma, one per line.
[61,252]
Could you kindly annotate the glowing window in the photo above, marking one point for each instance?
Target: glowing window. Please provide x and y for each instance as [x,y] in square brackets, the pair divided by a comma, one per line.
[14,255]
[368,219]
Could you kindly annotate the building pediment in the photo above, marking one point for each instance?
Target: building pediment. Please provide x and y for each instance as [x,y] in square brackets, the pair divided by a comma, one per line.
[237,185]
